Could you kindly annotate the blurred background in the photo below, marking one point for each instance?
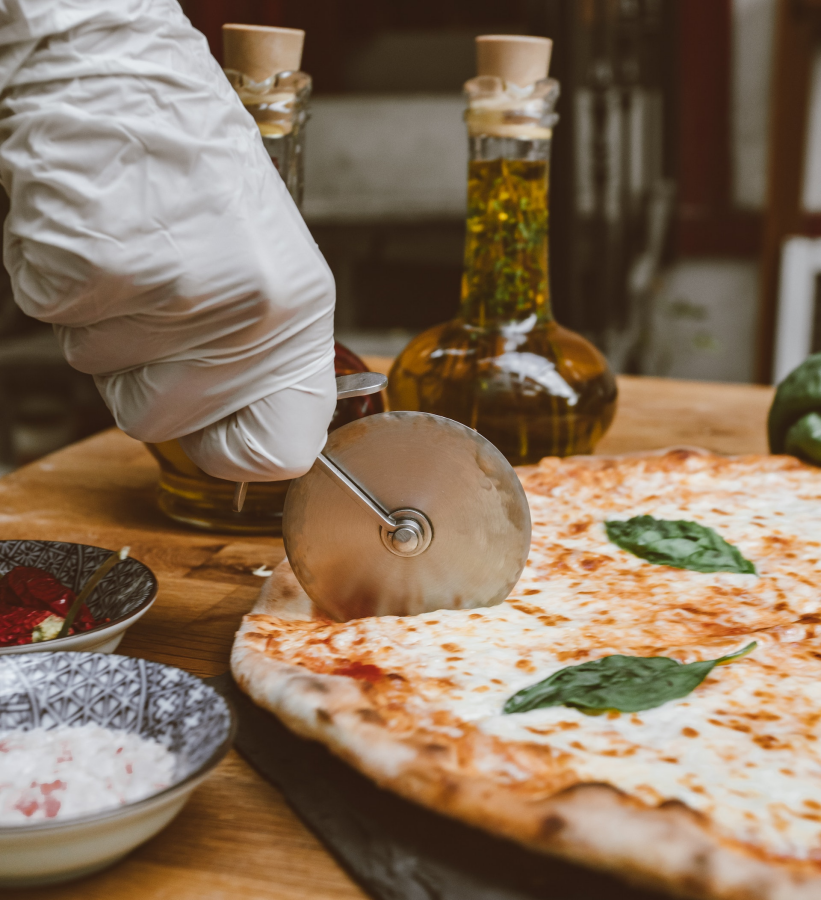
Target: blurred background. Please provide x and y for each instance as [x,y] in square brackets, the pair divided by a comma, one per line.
[685,184]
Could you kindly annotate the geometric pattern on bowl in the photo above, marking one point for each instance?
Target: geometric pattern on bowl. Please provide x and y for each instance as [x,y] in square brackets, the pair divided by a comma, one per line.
[150,699]
[129,586]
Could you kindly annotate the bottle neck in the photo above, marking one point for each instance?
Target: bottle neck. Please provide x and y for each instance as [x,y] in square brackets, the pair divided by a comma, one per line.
[279,106]
[506,276]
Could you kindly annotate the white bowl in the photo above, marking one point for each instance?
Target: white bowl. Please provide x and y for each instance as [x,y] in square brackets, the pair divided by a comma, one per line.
[150,699]
[123,596]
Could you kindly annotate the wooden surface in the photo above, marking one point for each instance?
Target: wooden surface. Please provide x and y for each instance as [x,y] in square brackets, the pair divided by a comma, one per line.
[237,838]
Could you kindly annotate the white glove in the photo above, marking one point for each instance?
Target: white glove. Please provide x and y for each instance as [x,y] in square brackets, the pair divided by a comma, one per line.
[149,225]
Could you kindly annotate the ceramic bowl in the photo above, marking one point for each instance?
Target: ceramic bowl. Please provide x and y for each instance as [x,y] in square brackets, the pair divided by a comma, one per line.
[147,698]
[125,594]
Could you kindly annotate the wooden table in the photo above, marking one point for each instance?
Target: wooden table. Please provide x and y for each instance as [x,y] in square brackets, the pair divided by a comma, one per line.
[237,838]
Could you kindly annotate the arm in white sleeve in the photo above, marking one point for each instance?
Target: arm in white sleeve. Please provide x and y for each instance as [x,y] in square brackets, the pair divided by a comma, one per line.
[149,226]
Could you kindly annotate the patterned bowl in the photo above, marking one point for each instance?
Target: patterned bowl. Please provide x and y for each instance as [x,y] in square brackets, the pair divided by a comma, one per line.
[152,700]
[124,595]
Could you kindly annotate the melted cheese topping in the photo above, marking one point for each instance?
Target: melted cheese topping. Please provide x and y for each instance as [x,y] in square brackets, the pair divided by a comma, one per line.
[743,748]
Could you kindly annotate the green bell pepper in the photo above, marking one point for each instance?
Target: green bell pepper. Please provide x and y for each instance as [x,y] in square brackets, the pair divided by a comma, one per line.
[794,423]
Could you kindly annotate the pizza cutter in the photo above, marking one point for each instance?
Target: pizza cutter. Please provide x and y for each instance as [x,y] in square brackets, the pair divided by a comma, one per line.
[404,513]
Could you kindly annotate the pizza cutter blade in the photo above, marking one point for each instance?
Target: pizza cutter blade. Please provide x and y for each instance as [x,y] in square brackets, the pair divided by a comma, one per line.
[404,513]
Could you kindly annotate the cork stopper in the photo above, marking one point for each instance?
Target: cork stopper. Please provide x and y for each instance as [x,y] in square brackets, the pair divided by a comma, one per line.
[517,59]
[260,51]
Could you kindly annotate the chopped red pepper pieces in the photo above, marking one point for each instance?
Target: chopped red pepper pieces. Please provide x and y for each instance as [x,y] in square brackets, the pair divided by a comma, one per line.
[53,786]
[28,596]
[27,807]
[52,806]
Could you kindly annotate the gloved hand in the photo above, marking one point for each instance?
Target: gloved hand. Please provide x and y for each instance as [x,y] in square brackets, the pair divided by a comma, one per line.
[149,225]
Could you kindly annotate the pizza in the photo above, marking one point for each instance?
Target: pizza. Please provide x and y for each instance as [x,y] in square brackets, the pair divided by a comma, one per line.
[712,793]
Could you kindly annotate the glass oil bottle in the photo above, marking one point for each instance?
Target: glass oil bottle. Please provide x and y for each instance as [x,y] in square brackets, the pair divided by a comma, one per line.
[504,366]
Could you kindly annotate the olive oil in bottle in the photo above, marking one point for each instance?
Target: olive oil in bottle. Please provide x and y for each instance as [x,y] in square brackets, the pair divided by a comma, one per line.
[504,366]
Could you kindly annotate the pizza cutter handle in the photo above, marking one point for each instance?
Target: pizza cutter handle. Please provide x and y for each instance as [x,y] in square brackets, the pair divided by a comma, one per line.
[356,493]
[360,384]
[405,532]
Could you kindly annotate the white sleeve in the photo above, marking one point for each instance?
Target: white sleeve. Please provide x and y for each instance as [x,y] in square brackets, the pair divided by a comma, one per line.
[149,226]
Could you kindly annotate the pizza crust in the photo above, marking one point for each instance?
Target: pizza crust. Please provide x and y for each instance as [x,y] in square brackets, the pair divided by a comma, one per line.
[282,596]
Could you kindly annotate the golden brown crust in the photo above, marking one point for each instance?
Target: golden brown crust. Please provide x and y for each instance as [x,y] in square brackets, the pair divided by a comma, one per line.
[376,725]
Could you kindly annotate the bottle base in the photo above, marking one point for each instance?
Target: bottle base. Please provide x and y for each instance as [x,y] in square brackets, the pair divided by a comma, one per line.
[212,510]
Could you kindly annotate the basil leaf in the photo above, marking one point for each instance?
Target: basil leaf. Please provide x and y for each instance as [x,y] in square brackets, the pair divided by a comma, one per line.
[677,543]
[623,683]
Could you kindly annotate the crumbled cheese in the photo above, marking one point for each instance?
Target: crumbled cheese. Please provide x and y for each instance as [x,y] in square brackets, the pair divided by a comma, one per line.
[64,772]
[48,629]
